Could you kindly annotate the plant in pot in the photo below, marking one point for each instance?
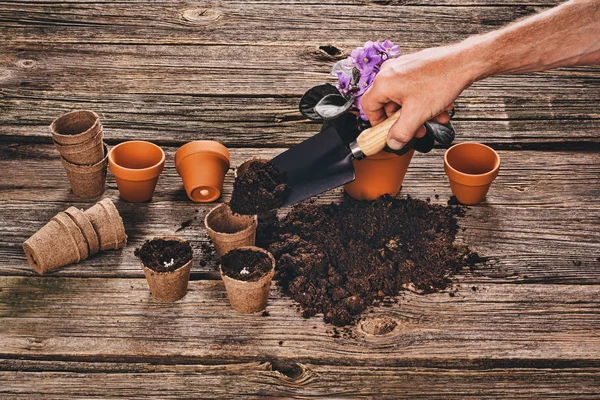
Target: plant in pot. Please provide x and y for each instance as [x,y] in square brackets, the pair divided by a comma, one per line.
[340,105]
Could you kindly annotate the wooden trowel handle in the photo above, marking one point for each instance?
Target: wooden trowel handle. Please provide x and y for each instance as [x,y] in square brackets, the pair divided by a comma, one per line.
[373,140]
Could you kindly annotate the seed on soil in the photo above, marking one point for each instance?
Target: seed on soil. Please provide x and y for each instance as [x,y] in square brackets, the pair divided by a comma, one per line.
[245,265]
[162,255]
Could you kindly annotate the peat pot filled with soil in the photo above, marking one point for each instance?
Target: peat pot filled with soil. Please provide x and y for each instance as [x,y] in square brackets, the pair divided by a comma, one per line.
[166,262]
[247,273]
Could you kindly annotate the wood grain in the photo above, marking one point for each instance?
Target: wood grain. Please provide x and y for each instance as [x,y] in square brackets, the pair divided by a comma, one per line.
[538,223]
[63,379]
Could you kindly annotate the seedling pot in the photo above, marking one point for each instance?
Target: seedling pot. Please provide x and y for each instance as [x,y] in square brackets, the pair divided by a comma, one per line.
[136,166]
[75,127]
[471,169]
[88,152]
[87,181]
[247,296]
[230,231]
[202,165]
[108,225]
[84,224]
[379,174]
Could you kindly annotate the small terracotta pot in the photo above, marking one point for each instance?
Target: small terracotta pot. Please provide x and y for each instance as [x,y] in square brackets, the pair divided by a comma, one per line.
[87,181]
[471,169]
[136,166]
[169,286]
[230,231]
[202,165]
[379,174]
[85,153]
[249,297]
[75,127]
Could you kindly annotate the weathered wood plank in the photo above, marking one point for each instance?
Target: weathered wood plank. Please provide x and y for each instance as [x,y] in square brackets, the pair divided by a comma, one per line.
[60,380]
[221,22]
[85,319]
[538,223]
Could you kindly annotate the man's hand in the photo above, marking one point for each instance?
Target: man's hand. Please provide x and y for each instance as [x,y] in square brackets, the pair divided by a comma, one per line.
[425,84]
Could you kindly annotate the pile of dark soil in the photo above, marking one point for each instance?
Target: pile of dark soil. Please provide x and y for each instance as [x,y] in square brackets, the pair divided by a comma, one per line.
[164,255]
[260,189]
[245,265]
[338,259]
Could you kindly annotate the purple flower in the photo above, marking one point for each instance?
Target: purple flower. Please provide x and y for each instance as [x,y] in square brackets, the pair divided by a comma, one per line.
[343,82]
[360,109]
[388,48]
[369,60]
[365,82]
[356,54]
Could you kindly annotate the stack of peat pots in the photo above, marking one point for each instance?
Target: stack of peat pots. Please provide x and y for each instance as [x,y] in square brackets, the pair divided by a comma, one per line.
[78,136]
[74,235]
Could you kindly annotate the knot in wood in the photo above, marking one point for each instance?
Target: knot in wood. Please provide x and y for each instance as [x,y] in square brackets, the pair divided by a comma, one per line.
[26,63]
[378,326]
[201,15]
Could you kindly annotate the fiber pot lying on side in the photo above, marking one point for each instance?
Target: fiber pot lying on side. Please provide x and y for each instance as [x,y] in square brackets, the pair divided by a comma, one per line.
[166,262]
[247,273]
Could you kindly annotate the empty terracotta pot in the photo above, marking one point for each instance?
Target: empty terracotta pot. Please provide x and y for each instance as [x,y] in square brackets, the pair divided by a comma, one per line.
[471,169]
[75,127]
[136,166]
[202,165]
[379,174]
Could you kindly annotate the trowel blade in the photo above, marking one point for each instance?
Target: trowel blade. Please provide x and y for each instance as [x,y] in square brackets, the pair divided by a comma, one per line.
[318,164]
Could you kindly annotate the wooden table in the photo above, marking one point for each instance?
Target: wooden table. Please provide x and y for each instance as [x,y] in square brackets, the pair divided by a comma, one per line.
[525,324]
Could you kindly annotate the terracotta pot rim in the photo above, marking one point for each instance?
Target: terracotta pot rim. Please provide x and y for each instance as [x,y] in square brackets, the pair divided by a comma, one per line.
[136,174]
[208,228]
[202,146]
[74,138]
[88,167]
[464,178]
[175,270]
[253,248]
[385,155]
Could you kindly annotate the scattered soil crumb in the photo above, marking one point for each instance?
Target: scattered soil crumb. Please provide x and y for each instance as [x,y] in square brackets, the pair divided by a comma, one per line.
[184,225]
[245,265]
[338,259]
[453,201]
[164,255]
[208,254]
[265,313]
[260,189]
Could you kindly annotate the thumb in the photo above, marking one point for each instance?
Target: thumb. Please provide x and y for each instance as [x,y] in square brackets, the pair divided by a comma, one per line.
[404,129]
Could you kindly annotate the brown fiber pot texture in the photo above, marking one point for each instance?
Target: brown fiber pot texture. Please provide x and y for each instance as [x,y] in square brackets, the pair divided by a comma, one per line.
[108,225]
[82,221]
[379,174]
[169,286]
[202,165]
[87,181]
[471,169]
[85,153]
[136,166]
[51,247]
[75,127]
[249,297]
[229,231]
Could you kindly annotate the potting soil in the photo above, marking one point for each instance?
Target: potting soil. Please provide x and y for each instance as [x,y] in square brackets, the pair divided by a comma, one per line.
[245,265]
[338,259]
[260,189]
[164,255]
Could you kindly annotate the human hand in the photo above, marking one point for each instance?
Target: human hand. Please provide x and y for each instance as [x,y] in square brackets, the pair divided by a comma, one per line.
[425,84]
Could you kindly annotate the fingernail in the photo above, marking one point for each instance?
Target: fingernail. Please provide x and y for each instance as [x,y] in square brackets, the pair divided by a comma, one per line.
[395,145]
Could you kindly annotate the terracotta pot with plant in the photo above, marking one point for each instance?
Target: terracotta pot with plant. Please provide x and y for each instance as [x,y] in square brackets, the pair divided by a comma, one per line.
[247,273]
[166,262]
[382,173]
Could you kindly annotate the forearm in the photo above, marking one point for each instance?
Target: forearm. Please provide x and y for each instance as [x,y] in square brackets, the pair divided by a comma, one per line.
[567,35]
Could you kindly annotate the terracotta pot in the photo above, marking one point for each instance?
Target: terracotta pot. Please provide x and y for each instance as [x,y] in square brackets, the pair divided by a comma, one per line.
[169,286]
[87,181]
[202,165]
[230,231]
[471,169]
[88,152]
[75,127]
[379,174]
[249,297]
[136,166]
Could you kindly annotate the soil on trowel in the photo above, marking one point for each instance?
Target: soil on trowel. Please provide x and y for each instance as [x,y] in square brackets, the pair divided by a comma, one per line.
[162,255]
[245,265]
[338,259]
[260,189]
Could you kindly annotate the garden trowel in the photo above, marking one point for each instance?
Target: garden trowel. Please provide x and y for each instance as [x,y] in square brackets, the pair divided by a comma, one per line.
[324,161]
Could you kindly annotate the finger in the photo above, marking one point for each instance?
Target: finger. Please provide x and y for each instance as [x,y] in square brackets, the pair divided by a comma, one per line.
[405,128]
[442,118]
[421,132]
[391,108]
